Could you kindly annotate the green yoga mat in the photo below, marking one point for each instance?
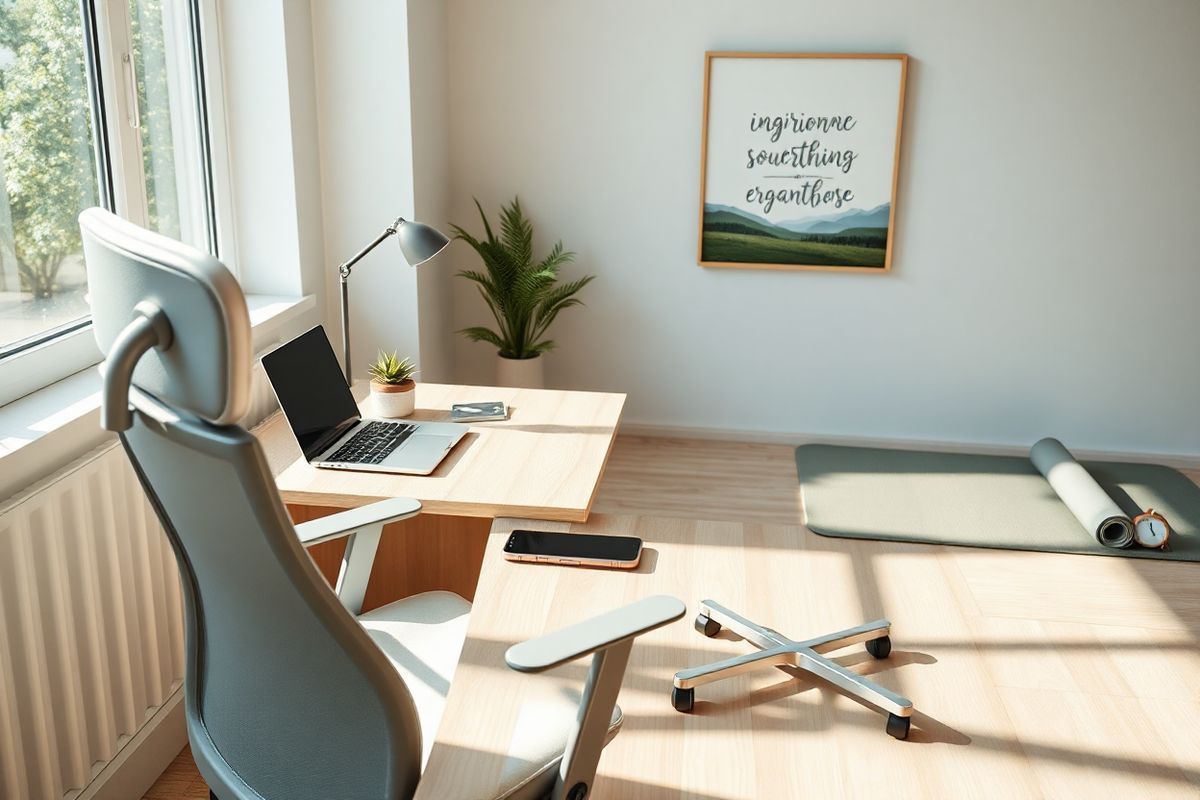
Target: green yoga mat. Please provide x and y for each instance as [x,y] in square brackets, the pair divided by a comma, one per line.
[981,501]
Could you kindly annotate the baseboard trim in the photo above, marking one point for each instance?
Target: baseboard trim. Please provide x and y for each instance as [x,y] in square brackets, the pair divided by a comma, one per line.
[142,759]
[795,439]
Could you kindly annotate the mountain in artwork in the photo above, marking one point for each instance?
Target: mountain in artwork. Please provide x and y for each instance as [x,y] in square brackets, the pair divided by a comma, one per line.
[876,217]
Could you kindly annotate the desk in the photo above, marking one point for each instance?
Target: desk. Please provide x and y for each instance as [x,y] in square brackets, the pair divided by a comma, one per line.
[760,735]
[544,462]
[1027,669]
[659,753]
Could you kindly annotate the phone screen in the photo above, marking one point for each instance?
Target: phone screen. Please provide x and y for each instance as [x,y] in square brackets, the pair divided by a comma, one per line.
[573,545]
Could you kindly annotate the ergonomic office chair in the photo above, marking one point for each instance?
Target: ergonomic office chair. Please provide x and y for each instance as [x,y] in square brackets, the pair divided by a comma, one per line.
[290,691]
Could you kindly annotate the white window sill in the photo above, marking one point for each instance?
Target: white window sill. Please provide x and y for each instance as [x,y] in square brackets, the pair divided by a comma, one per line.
[48,428]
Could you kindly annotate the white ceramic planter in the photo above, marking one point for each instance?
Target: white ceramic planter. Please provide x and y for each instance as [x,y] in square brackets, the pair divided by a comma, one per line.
[521,373]
[393,399]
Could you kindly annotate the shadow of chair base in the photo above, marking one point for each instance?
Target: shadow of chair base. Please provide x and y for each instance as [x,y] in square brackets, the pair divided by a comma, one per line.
[776,650]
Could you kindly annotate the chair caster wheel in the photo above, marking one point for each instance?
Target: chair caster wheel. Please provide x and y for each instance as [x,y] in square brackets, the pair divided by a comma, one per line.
[897,727]
[880,648]
[683,699]
[708,627]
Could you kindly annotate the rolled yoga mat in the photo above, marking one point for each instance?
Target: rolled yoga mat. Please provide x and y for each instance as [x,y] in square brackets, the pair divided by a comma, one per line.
[1080,493]
[978,500]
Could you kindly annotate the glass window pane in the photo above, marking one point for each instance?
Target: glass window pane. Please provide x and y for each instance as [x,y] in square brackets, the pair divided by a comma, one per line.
[48,167]
[167,111]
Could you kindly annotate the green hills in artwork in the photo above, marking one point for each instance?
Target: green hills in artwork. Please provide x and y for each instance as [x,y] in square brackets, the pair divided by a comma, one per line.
[852,238]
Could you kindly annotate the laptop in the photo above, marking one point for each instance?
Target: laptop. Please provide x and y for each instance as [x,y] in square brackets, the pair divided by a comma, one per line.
[325,420]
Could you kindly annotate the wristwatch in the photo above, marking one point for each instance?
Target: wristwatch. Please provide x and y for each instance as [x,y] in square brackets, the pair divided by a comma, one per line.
[1151,529]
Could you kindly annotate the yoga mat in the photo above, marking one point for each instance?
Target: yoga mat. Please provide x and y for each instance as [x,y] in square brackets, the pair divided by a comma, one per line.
[981,500]
[1096,511]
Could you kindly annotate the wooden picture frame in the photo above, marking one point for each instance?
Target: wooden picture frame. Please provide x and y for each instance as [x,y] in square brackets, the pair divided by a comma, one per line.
[761,215]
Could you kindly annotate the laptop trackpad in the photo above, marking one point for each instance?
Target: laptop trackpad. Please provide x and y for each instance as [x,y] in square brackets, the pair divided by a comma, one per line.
[422,450]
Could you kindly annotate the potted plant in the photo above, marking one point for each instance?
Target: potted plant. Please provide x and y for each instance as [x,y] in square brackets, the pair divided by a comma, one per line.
[523,295]
[392,387]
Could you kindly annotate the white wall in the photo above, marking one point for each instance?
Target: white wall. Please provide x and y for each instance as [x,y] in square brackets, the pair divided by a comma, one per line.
[306,148]
[382,117]
[270,118]
[366,172]
[1045,279]
[428,87]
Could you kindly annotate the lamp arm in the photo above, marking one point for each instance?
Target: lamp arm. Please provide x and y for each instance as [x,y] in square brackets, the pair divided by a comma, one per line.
[346,266]
[344,270]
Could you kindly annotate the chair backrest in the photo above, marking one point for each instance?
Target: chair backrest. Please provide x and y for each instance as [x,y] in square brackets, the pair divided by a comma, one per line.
[286,695]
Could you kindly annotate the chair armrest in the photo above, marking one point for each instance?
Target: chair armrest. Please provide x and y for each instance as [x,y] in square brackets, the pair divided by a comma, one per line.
[346,522]
[361,527]
[597,633]
[609,638]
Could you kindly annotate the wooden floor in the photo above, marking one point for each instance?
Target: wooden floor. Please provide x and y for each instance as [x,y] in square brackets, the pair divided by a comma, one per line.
[181,781]
[1034,675]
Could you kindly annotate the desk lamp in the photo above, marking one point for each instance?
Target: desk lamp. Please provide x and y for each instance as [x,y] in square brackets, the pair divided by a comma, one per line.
[418,243]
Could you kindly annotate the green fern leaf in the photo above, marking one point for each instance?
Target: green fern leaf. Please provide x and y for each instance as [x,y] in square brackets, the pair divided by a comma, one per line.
[522,296]
[481,334]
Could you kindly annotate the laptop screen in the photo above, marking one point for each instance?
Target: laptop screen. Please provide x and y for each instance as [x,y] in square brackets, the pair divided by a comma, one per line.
[311,389]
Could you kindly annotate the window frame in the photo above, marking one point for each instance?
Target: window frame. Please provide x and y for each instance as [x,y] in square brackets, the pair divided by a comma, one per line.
[107,32]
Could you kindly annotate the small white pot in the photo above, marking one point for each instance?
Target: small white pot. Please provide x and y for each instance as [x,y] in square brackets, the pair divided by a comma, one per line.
[521,373]
[393,399]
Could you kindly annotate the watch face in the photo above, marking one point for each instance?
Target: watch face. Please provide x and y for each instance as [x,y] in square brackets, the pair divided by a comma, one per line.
[1151,532]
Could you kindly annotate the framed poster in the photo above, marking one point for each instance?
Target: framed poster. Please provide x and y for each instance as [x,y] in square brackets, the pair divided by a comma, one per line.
[799,158]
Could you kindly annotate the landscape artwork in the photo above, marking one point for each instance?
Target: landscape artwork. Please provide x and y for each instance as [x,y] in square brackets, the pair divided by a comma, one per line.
[799,160]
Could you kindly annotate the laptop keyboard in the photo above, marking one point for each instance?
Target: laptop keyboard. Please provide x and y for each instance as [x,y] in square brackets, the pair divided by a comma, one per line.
[374,442]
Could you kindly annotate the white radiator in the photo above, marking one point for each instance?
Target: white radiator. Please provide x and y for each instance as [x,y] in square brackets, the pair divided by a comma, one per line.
[91,621]
[91,625]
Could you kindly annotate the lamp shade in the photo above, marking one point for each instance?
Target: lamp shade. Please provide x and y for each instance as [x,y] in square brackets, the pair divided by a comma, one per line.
[419,243]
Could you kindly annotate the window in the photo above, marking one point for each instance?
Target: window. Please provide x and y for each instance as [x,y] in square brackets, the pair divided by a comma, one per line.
[101,103]
[169,116]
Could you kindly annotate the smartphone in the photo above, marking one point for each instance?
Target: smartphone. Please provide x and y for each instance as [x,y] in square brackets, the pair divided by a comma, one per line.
[574,549]
[478,412]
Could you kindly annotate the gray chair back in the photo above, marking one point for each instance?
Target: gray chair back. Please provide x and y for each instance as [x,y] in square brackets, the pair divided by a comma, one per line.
[286,695]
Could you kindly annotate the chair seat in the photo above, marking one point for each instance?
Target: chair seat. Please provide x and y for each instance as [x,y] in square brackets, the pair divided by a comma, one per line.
[423,637]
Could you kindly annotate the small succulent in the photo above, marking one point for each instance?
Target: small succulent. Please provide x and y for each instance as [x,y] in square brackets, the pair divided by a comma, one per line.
[390,369]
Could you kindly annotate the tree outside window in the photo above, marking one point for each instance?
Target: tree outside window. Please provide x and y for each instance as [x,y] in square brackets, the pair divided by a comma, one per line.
[45,153]
[47,159]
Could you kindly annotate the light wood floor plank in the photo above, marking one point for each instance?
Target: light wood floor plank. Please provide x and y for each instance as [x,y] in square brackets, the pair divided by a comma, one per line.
[1095,745]
[1093,590]
[694,479]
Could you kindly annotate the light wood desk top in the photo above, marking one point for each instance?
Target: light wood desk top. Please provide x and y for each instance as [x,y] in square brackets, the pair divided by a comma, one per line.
[544,462]
[1041,706]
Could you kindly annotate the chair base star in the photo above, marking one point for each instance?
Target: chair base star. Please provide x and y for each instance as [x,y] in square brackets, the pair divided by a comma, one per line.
[776,650]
